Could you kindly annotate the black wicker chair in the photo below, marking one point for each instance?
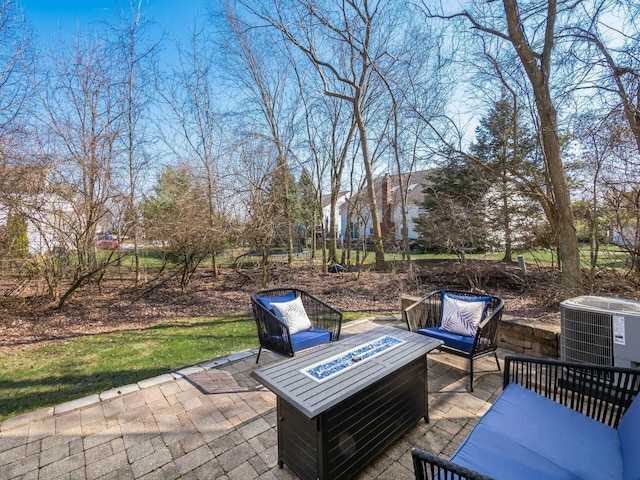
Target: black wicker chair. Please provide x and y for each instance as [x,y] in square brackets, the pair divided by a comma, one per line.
[424,317]
[600,392]
[274,334]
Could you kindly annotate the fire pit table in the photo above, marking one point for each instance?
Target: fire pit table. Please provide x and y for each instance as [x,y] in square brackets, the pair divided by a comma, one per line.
[342,404]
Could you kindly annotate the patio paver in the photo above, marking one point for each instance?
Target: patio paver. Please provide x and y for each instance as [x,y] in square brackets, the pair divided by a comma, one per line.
[214,421]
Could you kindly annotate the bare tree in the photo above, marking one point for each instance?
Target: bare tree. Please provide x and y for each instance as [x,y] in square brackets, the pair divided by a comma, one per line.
[623,201]
[191,97]
[531,32]
[610,171]
[329,132]
[16,167]
[82,117]
[137,59]
[16,61]
[173,214]
[262,72]
[342,44]
[416,80]
[253,166]
[605,55]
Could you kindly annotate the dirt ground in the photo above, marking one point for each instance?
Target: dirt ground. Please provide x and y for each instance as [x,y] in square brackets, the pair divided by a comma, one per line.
[29,322]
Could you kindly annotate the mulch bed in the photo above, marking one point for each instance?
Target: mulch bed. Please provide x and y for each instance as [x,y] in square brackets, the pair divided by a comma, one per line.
[27,322]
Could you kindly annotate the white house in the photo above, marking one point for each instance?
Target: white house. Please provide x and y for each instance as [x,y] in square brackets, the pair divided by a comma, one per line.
[389,205]
[45,214]
[341,213]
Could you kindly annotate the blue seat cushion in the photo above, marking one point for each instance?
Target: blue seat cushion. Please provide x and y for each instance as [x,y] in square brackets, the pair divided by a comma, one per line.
[307,339]
[629,432]
[527,436]
[267,301]
[453,340]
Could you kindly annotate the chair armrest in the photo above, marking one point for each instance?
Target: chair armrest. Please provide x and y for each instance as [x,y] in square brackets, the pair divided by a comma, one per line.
[321,314]
[494,313]
[424,313]
[487,333]
[427,466]
[600,392]
[271,323]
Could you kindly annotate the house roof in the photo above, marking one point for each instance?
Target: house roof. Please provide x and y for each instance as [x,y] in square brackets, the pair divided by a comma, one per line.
[326,199]
[413,182]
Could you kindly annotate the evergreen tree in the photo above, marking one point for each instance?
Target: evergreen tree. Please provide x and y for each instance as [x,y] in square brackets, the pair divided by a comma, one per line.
[174,215]
[284,200]
[505,146]
[454,208]
[15,238]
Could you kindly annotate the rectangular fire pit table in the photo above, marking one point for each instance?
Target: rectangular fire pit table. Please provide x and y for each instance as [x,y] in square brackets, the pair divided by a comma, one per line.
[342,404]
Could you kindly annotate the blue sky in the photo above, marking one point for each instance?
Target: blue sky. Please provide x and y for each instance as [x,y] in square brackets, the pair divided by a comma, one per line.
[49,17]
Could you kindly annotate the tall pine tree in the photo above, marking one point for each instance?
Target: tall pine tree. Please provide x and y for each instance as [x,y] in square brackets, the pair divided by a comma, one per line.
[505,146]
[454,208]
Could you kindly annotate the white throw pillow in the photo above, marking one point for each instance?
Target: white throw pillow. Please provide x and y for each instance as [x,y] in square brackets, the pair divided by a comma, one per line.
[460,316]
[293,314]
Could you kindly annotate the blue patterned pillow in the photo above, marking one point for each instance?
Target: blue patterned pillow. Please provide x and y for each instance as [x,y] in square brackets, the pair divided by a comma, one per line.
[293,314]
[462,315]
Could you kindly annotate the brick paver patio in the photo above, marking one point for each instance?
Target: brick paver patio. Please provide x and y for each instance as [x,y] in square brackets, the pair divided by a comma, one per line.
[214,421]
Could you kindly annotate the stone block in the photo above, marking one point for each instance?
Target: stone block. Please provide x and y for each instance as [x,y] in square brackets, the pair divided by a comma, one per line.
[408,300]
[78,403]
[116,392]
[549,332]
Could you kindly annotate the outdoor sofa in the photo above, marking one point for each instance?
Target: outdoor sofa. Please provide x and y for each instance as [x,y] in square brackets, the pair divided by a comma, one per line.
[553,420]
[289,320]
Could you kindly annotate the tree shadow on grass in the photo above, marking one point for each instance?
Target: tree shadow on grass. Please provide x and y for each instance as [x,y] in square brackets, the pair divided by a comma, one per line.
[27,394]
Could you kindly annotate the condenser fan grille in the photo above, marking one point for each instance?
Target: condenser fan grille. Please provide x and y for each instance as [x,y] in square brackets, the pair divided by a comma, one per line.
[586,337]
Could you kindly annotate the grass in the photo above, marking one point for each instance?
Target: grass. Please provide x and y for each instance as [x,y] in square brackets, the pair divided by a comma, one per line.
[609,256]
[350,316]
[49,375]
[46,376]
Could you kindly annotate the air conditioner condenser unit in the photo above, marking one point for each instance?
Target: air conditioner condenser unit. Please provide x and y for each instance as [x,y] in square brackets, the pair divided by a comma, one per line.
[600,330]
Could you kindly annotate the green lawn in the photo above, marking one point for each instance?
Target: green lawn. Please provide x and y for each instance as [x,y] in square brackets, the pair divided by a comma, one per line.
[610,256]
[49,375]
[45,376]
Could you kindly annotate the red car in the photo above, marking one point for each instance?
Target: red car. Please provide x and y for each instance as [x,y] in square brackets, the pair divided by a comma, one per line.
[106,242]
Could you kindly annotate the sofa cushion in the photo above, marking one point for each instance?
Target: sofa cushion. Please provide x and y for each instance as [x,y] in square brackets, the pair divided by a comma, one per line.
[267,301]
[527,436]
[307,339]
[629,432]
[497,456]
[461,314]
[453,340]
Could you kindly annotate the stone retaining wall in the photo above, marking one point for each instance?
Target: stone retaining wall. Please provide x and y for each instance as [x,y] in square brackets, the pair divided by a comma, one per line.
[520,335]
[529,337]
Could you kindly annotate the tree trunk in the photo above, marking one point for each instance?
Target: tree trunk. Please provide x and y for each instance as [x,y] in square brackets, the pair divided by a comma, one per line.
[506,213]
[333,235]
[567,237]
[264,268]
[371,191]
[538,68]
